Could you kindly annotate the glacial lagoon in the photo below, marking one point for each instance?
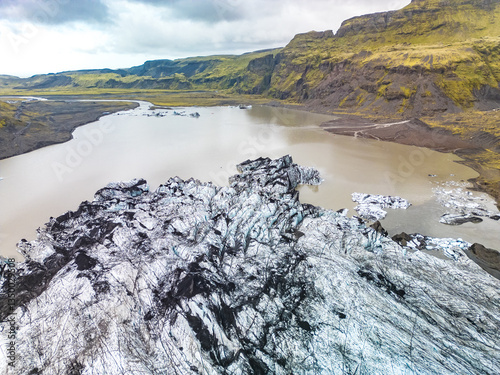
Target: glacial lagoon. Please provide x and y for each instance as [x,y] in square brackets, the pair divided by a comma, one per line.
[162,143]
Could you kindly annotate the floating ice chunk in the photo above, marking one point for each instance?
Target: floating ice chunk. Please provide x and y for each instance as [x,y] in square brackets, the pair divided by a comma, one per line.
[450,247]
[370,212]
[463,206]
[452,219]
[382,201]
[370,207]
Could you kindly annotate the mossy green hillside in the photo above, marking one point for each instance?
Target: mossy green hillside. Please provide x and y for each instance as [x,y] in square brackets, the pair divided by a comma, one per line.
[431,59]
[229,72]
[454,44]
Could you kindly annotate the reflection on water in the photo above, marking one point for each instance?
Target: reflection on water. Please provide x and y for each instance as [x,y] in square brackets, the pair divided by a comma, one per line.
[49,181]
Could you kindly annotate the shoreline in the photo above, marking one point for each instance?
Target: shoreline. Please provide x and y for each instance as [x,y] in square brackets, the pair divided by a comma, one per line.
[42,123]
[406,132]
[411,132]
[414,132]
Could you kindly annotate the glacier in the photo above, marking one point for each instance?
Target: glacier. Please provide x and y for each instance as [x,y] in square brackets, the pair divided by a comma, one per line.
[194,278]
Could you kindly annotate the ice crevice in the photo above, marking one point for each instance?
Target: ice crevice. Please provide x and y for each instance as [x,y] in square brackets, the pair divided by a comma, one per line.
[193,278]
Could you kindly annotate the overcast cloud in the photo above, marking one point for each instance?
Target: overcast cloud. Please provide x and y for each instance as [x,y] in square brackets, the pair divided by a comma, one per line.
[42,36]
[54,11]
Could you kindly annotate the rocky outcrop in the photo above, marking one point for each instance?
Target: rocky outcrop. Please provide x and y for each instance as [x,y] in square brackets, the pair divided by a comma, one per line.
[353,85]
[262,68]
[488,259]
[262,65]
[194,278]
[427,13]
[371,23]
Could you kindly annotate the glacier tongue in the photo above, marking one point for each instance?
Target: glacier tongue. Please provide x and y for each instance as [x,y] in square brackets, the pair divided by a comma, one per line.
[193,278]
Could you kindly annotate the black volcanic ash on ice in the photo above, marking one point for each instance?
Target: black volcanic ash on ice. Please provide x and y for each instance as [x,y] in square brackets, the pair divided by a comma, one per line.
[198,279]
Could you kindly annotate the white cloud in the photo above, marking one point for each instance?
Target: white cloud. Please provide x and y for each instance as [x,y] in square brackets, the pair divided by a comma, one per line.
[263,24]
[42,49]
[131,31]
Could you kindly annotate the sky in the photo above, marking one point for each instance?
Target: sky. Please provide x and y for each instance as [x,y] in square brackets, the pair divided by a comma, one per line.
[49,36]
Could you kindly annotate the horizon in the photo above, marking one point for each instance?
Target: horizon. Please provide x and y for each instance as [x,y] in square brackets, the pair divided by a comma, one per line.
[53,36]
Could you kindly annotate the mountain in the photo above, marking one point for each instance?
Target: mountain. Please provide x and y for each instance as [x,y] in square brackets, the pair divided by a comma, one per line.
[241,73]
[430,57]
[427,58]
[435,60]
[194,278]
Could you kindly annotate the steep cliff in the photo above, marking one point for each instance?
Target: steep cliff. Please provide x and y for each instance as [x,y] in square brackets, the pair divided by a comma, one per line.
[430,57]
[427,58]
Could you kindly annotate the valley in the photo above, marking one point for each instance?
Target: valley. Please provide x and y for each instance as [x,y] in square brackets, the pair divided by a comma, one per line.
[330,206]
[438,62]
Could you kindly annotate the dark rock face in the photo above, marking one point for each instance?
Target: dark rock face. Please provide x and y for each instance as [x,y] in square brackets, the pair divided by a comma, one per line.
[428,9]
[347,80]
[262,65]
[488,259]
[452,219]
[193,278]
[367,23]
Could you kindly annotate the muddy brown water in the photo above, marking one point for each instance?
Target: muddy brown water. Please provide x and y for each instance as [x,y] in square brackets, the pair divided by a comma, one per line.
[49,181]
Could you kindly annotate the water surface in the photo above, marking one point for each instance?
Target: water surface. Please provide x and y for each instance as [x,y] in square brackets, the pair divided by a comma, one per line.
[52,180]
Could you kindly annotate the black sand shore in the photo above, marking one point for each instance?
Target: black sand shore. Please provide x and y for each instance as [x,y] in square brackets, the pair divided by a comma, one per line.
[29,125]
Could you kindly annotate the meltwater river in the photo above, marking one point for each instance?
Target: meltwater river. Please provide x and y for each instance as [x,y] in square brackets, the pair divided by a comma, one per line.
[160,144]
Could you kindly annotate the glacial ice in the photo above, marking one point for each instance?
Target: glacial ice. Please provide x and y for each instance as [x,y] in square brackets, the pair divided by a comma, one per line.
[193,278]
[462,205]
[370,207]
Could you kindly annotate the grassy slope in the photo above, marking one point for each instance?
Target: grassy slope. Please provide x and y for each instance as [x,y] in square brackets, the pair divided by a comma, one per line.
[458,46]
[218,73]
[427,60]
[434,59]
